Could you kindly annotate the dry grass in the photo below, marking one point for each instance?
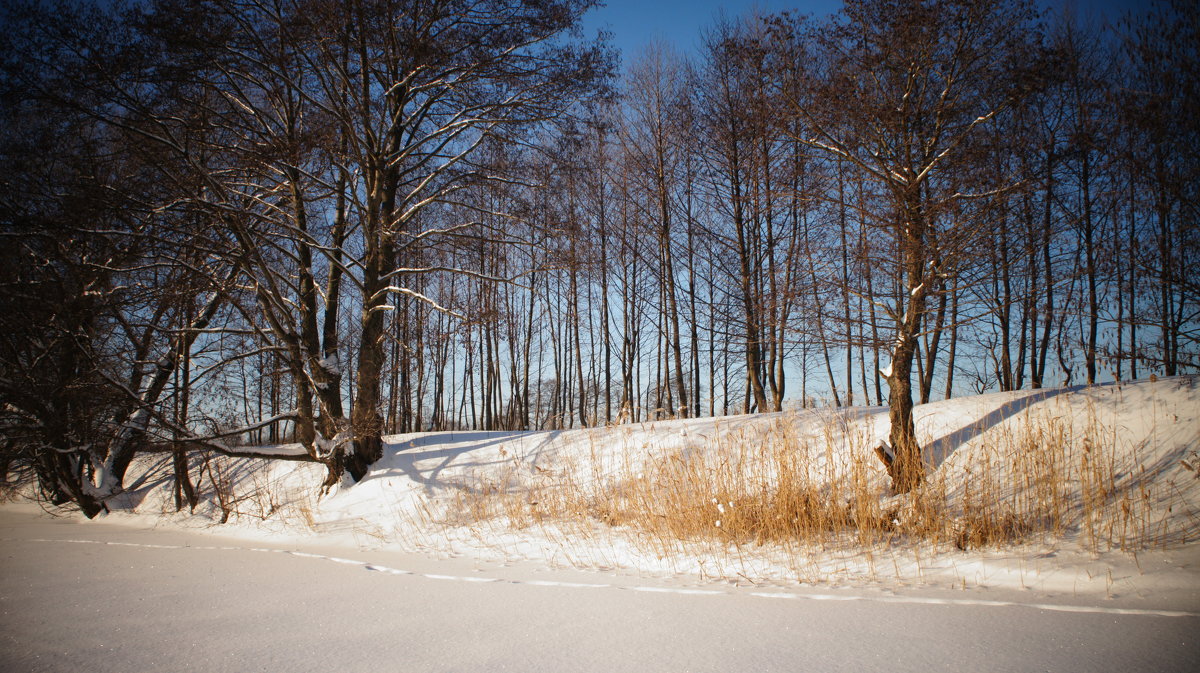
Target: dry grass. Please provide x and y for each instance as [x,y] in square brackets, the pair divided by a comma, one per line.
[1040,479]
[250,488]
[1034,478]
[750,488]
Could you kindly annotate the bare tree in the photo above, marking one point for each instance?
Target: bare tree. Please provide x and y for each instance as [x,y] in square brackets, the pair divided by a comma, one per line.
[937,74]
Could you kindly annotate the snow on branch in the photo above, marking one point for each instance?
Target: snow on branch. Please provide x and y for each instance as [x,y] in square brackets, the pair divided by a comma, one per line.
[416,295]
[286,416]
[446,269]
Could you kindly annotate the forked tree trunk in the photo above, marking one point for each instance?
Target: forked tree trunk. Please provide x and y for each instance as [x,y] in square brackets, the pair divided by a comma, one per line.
[904,462]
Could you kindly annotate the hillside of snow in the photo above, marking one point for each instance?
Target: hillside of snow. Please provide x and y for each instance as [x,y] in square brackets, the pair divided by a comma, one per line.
[1111,509]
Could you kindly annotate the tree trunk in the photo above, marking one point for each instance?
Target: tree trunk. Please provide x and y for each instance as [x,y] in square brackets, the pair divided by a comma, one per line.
[905,465]
[365,418]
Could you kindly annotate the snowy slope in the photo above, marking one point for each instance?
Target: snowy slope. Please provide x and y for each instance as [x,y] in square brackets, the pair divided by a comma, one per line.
[477,494]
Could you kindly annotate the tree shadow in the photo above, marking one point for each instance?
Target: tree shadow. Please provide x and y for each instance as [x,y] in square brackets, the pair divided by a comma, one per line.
[937,451]
[403,455]
[158,474]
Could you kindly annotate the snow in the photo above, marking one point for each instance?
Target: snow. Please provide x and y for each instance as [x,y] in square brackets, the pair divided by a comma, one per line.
[387,573]
[331,363]
[157,599]
[326,447]
[412,500]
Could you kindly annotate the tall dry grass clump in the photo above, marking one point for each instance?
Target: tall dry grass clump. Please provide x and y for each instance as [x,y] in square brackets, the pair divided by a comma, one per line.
[801,485]
[1042,478]
[751,487]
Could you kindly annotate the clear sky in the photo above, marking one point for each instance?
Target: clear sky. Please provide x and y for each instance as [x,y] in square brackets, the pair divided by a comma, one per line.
[634,23]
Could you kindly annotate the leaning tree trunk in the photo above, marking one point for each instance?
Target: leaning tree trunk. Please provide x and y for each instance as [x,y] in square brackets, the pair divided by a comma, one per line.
[110,475]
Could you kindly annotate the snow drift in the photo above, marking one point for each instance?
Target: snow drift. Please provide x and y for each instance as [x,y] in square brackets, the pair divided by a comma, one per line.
[1069,489]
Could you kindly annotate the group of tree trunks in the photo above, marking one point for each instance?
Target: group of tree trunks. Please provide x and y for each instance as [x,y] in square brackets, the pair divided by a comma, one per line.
[323,221]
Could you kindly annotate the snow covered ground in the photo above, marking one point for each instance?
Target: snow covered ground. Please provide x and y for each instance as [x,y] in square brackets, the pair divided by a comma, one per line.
[450,496]
[117,596]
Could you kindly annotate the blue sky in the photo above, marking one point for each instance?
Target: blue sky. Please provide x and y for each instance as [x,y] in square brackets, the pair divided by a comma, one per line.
[634,23]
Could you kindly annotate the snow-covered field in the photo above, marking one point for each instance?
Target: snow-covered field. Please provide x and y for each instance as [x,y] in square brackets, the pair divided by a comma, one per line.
[1127,471]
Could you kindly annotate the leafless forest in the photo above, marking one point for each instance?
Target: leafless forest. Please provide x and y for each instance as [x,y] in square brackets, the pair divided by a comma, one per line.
[231,222]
